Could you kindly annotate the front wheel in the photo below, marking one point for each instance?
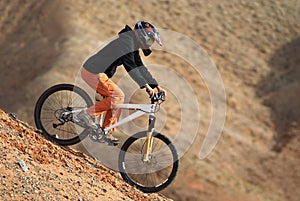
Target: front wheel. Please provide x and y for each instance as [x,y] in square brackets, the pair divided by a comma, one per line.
[156,173]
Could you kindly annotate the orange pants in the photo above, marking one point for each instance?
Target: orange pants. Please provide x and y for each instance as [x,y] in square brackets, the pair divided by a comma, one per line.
[106,87]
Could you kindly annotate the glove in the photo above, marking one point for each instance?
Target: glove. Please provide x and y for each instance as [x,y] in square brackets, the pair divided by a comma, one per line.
[150,92]
[161,90]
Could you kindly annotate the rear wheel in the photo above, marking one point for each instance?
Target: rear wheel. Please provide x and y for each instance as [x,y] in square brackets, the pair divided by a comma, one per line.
[51,109]
[155,174]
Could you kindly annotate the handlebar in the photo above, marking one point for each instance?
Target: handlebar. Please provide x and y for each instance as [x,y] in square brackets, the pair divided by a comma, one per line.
[158,97]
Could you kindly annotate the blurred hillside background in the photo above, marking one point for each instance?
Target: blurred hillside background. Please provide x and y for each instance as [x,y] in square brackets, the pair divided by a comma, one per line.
[254,44]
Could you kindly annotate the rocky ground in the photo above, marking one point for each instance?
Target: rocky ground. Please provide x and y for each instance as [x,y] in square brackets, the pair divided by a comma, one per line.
[54,172]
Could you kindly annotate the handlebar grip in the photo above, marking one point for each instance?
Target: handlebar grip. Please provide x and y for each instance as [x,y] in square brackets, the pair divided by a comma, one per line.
[158,97]
[161,96]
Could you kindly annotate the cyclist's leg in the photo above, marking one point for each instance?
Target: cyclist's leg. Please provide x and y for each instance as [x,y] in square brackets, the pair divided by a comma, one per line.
[106,87]
[94,82]
[111,117]
[116,97]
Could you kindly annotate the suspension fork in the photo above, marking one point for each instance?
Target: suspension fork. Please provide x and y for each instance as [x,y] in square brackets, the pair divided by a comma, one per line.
[149,139]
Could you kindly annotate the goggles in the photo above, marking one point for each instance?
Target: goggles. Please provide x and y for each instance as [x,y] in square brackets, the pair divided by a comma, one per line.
[151,37]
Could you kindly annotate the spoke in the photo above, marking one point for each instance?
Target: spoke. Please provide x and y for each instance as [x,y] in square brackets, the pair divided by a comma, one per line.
[158,144]
[69,99]
[137,146]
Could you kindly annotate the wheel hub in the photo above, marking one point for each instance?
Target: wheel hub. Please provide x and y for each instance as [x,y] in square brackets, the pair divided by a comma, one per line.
[64,114]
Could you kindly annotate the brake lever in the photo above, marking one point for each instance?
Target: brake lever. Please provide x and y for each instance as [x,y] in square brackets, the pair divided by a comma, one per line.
[161,96]
[154,98]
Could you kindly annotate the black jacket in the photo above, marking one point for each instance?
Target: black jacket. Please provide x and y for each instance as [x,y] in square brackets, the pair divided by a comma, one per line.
[123,50]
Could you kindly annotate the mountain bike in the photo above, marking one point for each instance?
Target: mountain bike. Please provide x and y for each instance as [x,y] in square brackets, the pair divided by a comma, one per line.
[147,160]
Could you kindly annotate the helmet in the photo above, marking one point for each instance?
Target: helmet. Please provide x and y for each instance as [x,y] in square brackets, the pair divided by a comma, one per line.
[147,34]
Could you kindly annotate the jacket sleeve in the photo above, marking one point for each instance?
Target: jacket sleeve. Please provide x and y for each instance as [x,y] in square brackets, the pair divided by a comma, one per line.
[144,71]
[133,69]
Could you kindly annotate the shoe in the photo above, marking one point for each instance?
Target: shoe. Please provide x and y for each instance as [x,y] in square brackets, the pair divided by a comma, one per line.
[110,138]
[87,119]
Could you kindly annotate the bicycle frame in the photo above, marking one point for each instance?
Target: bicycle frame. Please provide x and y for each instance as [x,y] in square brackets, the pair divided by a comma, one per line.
[142,109]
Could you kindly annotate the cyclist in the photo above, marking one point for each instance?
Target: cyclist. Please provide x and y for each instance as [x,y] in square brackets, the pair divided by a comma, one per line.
[98,70]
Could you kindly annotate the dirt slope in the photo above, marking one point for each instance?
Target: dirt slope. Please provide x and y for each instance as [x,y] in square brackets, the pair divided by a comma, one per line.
[255,45]
[54,173]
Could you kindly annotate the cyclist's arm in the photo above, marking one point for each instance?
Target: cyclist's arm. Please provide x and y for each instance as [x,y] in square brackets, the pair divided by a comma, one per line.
[137,70]
[144,71]
[133,70]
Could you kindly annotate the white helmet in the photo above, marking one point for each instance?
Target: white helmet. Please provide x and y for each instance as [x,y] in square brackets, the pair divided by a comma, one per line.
[147,34]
